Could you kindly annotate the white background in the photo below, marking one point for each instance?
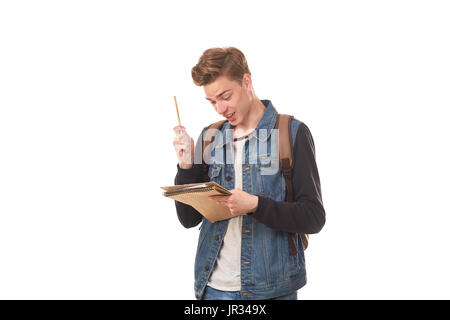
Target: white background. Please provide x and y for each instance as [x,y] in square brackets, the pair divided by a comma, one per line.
[86,118]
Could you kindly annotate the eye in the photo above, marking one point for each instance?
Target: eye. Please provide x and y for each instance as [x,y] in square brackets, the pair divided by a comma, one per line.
[227,98]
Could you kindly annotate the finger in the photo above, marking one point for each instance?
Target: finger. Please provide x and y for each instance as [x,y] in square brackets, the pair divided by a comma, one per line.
[179,147]
[179,128]
[217,197]
[223,204]
[217,200]
[176,142]
[180,141]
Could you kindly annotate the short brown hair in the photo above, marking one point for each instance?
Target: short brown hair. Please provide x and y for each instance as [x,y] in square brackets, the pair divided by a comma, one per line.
[216,62]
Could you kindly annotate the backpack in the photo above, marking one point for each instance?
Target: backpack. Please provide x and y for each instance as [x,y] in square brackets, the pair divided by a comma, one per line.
[286,162]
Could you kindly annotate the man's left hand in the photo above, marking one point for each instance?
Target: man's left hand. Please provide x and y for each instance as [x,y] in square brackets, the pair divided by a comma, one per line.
[239,202]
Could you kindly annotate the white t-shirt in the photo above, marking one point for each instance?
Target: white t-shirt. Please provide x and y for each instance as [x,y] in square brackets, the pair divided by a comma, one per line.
[226,275]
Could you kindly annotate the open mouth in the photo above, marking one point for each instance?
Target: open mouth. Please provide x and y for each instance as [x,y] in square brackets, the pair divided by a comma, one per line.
[230,116]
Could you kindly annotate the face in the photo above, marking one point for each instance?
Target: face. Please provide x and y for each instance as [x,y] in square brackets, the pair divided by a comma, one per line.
[231,100]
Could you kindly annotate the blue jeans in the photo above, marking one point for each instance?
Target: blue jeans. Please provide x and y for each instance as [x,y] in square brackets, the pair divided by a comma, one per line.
[214,294]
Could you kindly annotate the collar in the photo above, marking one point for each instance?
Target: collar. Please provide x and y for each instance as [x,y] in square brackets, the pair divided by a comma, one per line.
[266,125]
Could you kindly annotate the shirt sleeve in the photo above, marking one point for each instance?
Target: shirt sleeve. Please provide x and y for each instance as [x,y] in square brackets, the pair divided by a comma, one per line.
[306,213]
[188,216]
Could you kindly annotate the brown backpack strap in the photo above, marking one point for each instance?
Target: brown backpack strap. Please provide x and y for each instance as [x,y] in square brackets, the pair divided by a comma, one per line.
[286,165]
[286,157]
[209,135]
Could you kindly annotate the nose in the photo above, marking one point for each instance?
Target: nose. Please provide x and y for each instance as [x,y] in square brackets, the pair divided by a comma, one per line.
[221,107]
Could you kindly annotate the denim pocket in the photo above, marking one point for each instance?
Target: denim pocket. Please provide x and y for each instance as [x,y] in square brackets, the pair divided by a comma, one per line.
[214,173]
[270,177]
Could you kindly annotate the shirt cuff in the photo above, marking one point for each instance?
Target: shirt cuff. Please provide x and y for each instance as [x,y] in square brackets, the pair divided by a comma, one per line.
[261,204]
[191,175]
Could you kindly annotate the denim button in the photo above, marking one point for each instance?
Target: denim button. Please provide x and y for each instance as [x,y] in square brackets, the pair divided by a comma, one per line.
[228,178]
[206,268]
[216,237]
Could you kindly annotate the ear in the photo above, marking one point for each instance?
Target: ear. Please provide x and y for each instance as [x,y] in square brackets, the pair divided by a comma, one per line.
[247,80]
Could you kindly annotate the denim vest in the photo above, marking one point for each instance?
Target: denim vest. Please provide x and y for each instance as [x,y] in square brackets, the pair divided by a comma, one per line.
[268,267]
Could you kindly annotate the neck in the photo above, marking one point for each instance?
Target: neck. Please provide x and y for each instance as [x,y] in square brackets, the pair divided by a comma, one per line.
[254,115]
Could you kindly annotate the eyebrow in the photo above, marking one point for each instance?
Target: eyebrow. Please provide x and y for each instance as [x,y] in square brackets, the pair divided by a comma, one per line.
[219,94]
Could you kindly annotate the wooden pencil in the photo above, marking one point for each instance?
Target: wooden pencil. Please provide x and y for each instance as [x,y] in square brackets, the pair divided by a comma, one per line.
[176,106]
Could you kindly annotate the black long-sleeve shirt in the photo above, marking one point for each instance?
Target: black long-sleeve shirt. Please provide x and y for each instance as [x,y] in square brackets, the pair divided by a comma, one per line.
[305,214]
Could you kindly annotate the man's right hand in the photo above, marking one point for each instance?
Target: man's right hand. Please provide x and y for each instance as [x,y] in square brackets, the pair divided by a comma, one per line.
[184,147]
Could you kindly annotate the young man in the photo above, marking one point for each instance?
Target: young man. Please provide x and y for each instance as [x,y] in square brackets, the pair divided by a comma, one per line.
[249,256]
